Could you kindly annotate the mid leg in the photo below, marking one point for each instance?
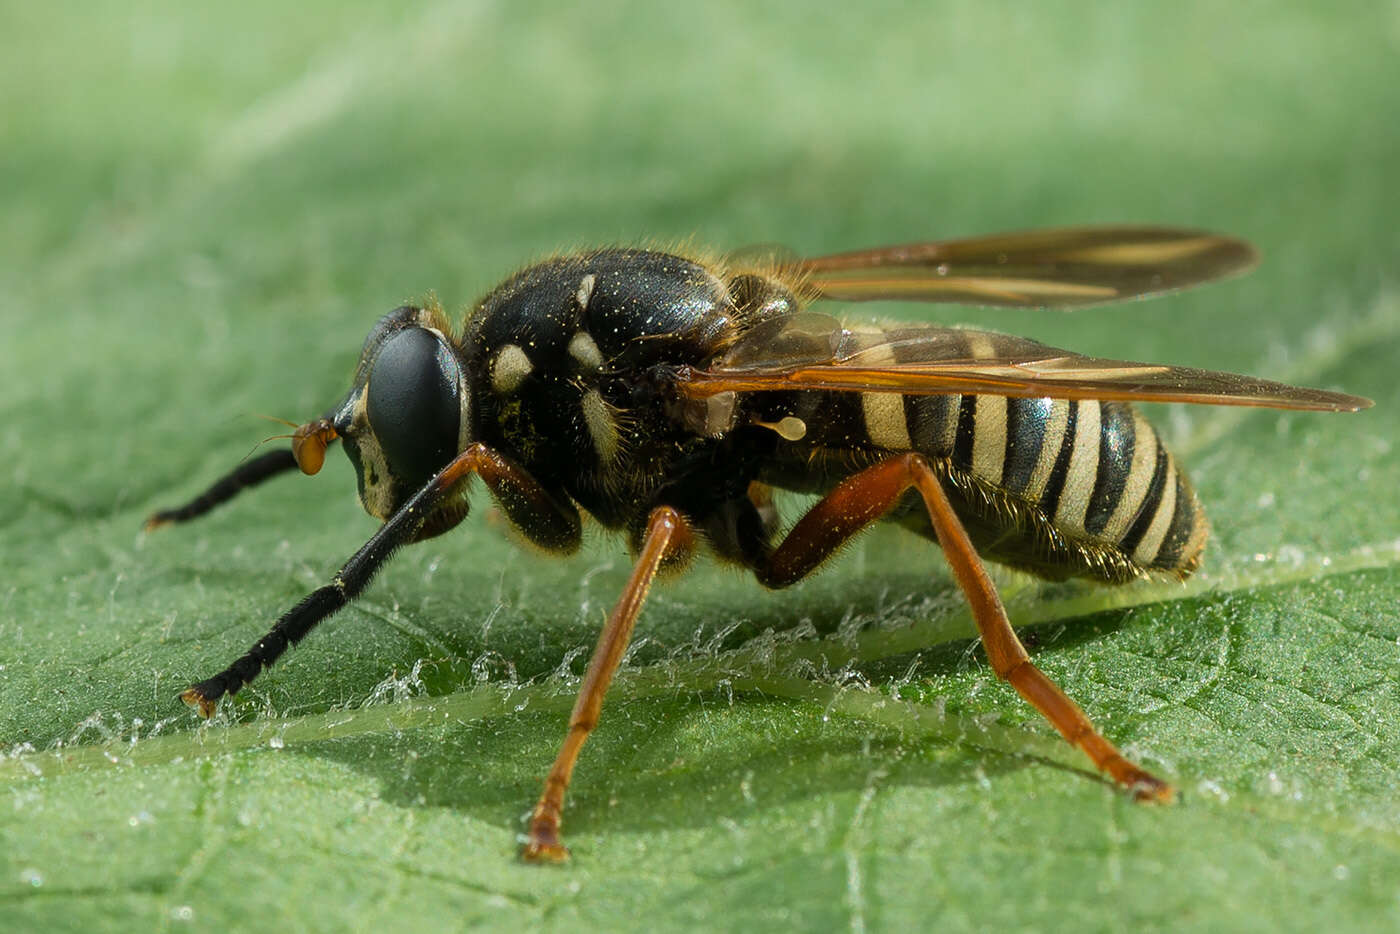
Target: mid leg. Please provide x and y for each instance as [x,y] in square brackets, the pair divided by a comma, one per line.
[870,494]
[668,536]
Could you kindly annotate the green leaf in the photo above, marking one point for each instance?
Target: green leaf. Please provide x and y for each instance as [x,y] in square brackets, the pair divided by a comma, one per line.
[207,208]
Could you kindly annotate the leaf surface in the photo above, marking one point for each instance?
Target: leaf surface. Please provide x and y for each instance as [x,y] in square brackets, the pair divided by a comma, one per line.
[207,211]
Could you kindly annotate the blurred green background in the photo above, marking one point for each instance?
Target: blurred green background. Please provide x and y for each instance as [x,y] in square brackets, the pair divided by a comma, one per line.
[202,211]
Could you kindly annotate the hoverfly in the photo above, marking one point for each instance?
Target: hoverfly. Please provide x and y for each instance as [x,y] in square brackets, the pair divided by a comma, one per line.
[667,396]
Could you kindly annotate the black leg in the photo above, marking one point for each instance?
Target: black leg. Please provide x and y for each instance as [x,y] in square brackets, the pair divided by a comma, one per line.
[550,520]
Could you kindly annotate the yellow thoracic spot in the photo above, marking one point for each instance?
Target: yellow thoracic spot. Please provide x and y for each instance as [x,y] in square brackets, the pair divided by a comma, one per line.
[585,351]
[509,369]
[585,290]
[602,428]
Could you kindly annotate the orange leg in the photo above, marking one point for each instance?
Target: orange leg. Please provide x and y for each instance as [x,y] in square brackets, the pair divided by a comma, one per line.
[868,495]
[668,535]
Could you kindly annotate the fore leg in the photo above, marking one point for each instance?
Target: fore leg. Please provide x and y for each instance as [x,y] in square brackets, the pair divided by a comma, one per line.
[547,519]
[868,495]
[668,535]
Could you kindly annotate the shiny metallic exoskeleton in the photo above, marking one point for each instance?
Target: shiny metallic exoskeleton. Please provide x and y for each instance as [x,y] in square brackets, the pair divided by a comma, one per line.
[668,395]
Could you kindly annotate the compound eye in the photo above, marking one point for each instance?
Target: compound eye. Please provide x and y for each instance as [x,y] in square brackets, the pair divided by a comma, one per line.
[402,317]
[414,405]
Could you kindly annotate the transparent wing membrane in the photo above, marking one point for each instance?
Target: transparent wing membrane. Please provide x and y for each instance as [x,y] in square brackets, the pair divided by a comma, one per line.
[1068,267]
[815,351]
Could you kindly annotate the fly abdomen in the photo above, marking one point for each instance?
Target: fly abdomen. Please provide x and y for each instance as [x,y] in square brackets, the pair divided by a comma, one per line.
[1058,487]
[1115,484]
[1093,472]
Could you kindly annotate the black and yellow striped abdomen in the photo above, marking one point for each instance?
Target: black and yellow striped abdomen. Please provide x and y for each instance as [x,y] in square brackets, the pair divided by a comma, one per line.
[1058,487]
[1088,485]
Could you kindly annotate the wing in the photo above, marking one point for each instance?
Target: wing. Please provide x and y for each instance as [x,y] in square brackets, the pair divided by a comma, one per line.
[815,351]
[1068,267]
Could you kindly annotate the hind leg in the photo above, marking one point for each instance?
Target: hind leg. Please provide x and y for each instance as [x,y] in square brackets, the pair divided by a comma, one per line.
[865,497]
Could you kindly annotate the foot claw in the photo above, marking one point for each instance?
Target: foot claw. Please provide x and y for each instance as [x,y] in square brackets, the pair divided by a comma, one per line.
[204,705]
[1152,790]
[544,851]
[543,845]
